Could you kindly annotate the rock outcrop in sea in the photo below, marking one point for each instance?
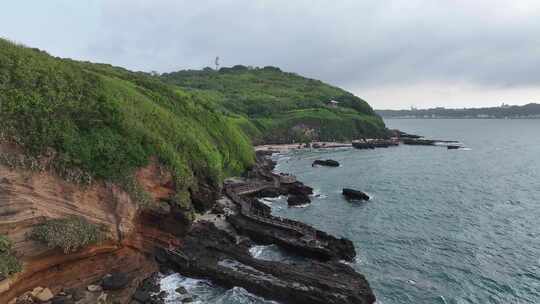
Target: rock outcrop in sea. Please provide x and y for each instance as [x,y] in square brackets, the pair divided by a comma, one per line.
[327,163]
[355,194]
[209,252]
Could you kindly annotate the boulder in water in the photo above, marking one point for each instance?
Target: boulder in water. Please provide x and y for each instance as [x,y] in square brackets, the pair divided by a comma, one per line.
[296,200]
[297,188]
[327,163]
[181,290]
[355,194]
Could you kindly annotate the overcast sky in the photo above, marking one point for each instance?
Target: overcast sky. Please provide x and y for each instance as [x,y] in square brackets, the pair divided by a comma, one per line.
[394,54]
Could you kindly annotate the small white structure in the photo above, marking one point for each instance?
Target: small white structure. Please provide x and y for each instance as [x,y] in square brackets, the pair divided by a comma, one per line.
[333,103]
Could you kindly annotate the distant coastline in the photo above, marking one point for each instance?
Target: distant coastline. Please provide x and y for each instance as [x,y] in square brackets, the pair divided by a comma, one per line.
[528,111]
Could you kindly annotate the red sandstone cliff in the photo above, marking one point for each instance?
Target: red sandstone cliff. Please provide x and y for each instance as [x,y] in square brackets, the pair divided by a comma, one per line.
[28,198]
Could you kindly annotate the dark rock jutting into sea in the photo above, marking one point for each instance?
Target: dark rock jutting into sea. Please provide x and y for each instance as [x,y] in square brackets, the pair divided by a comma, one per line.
[352,194]
[219,249]
[327,163]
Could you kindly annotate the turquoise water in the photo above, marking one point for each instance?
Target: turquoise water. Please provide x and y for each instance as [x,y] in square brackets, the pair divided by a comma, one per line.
[443,226]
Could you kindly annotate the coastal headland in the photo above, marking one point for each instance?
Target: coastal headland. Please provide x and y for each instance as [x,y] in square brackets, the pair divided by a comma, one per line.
[102,168]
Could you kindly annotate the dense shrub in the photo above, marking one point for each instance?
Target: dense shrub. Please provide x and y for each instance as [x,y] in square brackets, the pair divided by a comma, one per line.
[8,262]
[70,234]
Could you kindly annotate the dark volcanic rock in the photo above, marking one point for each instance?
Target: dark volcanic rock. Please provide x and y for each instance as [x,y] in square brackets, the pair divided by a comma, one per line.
[116,281]
[328,163]
[363,145]
[261,207]
[148,291]
[214,254]
[401,134]
[355,194]
[151,284]
[296,200]
[76,294]
[175,222]
[419,142]
[181,290]
[270,192]
[297,188]
[204,197]
[293,241]
[141,296]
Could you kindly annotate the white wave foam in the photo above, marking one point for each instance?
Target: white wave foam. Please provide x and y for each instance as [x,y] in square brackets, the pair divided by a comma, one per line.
[318,194]
[204,292]
[300,206]
[257,251]
[443,299]
[240,295]
[195,287]
[356,260]
[270,200]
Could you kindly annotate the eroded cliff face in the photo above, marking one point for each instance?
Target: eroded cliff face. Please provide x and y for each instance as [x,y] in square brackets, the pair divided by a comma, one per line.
[28,198]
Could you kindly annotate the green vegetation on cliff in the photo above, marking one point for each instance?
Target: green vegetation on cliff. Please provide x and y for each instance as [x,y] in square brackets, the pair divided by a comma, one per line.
[8,262]
[70,234]
[275,106]
[108,121]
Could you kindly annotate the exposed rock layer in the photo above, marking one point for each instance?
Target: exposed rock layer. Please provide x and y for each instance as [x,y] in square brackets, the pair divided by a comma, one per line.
[331,248]
[28,198]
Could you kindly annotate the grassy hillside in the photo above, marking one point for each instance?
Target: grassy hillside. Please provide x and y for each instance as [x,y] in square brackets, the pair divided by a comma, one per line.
[107,121]
[274,106]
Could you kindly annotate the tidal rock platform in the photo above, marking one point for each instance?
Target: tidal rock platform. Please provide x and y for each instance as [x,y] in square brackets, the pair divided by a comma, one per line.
[212,253]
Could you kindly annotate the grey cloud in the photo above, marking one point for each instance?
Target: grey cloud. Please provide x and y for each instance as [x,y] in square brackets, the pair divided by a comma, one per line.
[344,42]
[356,44]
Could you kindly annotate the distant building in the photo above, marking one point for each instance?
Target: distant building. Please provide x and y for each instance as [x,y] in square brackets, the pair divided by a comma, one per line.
[333,103]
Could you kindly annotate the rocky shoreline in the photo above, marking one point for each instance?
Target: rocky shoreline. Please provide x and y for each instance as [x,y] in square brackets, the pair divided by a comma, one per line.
[218,249]
[152,240]
[213,246]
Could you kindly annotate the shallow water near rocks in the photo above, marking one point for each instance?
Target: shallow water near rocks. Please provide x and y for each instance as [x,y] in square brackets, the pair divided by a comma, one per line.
[443,226]
[204,292]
